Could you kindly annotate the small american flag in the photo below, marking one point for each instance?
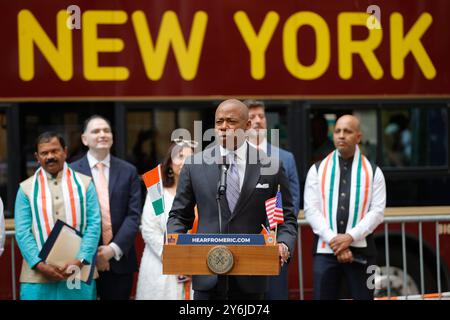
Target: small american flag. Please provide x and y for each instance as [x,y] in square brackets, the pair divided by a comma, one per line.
[274,209]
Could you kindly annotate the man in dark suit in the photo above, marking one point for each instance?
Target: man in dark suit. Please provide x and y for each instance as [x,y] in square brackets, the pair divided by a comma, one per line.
[250,182]
[278,285]
[119,193]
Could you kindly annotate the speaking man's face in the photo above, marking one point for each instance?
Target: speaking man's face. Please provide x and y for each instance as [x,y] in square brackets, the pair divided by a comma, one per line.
[231,122]
[51,156]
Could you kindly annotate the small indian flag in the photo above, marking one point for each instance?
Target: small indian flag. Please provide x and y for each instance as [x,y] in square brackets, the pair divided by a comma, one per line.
[153,182]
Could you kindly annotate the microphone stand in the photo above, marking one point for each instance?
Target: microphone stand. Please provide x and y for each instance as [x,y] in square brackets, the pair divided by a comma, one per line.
[221,189]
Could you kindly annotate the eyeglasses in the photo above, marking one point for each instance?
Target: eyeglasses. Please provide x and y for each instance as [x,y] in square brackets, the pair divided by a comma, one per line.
[183,142]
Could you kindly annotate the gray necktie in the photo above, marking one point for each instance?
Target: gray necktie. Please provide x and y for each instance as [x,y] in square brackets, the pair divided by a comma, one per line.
[233,189]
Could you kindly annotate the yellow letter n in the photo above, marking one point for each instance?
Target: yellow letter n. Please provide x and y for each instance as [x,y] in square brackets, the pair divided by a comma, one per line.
[31,33]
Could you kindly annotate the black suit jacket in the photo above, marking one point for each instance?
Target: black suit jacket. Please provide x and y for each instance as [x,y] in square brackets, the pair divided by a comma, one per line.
[125,207]
[198,186]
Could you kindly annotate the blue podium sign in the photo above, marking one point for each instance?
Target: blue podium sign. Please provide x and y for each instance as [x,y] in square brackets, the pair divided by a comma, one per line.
[221,239]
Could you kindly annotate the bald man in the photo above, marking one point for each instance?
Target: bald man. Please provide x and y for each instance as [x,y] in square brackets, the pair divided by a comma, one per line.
[242,206]
[344,201]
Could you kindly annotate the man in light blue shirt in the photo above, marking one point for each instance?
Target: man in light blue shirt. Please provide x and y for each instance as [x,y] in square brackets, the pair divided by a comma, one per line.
[55,192]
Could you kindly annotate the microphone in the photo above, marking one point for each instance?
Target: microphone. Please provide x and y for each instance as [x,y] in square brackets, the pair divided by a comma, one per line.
[223,180]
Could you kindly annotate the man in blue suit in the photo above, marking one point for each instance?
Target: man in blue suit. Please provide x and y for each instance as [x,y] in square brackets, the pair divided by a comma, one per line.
[278,285]
[119,193]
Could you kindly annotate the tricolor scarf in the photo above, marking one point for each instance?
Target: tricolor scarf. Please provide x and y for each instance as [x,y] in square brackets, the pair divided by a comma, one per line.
[360,193]
[42,208]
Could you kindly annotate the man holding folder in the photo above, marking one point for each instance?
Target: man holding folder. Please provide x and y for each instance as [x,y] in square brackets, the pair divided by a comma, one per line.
[55,192]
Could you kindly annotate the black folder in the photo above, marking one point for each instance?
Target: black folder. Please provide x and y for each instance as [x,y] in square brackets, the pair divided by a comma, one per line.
[56,252]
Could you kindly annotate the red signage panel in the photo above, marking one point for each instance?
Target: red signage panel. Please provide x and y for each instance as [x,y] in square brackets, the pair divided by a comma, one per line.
[180,48]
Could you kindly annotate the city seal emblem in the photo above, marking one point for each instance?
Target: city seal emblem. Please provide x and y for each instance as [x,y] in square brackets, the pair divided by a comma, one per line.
[220,260]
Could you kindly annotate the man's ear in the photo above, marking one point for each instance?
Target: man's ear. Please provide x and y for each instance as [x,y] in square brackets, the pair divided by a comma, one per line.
[248,125]
[37,158]
[84,139]
[359,137]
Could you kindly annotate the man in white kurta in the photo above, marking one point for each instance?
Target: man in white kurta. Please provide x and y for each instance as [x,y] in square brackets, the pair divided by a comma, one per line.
[345,198]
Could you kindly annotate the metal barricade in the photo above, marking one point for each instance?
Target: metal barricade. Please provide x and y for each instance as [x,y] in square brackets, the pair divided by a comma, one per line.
[402,220]
[11,234]
[302,223]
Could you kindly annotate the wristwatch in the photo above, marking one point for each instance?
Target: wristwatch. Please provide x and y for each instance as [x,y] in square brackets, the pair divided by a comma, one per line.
[84,262]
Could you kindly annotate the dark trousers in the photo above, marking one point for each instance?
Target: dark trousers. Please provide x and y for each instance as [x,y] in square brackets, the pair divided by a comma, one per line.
[226,289]
[328,276]
[278,285]
[113,286]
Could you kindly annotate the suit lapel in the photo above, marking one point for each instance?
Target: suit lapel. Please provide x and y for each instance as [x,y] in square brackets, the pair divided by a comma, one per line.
[252,173]
[84,167]
[113,174]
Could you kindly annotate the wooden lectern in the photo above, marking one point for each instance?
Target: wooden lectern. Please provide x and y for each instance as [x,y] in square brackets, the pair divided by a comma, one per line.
[191,254]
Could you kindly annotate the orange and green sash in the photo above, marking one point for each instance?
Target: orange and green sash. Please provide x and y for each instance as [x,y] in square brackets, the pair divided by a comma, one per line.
[360,192]
[42,207]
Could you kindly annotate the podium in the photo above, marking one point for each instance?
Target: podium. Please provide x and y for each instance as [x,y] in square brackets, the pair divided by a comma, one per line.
[229,254]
